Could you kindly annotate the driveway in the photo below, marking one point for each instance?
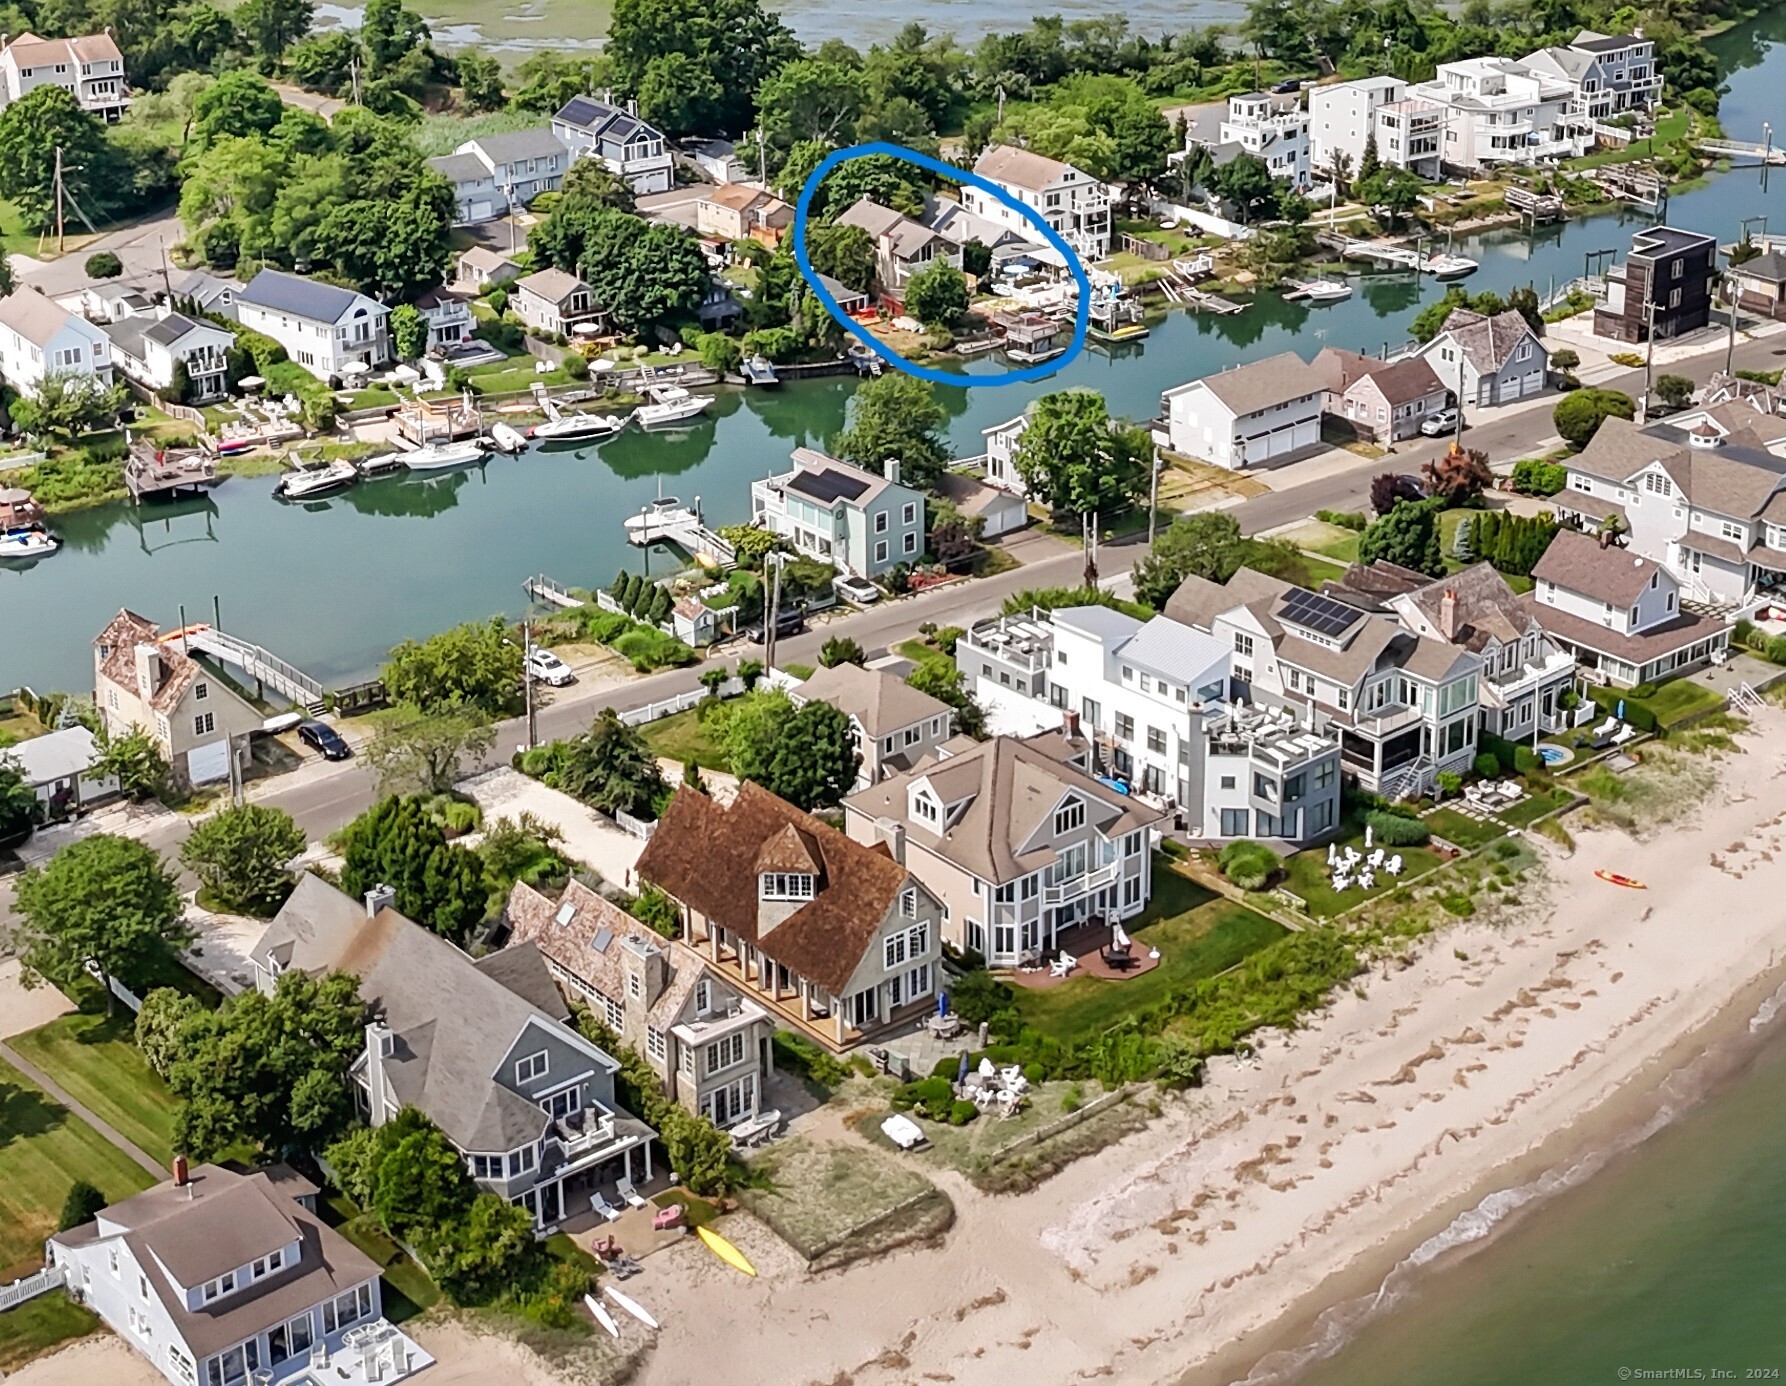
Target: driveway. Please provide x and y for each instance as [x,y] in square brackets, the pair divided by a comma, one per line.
[588,837]
[142,247]
[24,1008]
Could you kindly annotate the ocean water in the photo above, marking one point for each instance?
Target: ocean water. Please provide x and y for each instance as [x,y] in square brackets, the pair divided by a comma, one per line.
[1660,1256]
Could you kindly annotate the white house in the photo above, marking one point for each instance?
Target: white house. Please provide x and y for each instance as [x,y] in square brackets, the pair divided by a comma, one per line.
[629,146]
[894,725]
[150,350]
[494,173]
[325,328]
[1342,117]
[865,522]
[39,337]
[1070,200]
[448,316]
[1247,415]
[61,768]
[1498,111]
[222,1279]
[1488,360]
[90,66]
[1281,138]
[481,268]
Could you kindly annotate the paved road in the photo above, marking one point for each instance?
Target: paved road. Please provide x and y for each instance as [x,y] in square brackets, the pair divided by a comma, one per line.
[140,246]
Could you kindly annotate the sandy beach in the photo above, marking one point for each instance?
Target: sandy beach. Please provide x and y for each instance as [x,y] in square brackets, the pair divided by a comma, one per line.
[1184,1252]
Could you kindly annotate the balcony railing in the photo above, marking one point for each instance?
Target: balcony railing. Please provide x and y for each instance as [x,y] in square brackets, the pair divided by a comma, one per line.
[594,1133]
[1082,885]
[1386,719]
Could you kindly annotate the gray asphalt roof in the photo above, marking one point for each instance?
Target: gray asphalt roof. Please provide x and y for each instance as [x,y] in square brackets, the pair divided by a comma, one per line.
[292,293]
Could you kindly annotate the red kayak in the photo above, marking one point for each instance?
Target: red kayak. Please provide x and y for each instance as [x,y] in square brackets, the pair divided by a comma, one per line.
[1614,878]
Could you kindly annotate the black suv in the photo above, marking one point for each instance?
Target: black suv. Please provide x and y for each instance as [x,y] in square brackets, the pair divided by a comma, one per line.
[790,620]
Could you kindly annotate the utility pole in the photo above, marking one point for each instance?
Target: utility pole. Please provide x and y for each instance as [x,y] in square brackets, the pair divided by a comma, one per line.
[533,726]
[1458,434]
[774,617]
[61,241]
[1649,354]
[353,69]
[1153,499]
[1089,532]
[1730,336]
[167,283]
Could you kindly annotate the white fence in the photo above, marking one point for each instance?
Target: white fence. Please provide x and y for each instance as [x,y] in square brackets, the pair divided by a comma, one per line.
[119,990]
[682,702]
[638,827]
[31,1286]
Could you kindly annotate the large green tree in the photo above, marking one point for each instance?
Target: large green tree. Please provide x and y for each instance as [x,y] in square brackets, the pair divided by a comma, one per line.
[426,752]
[397,843]
[32,130]
[272,26]
[811,99]
[1579,414]
[1075,459]
[241,853]
[610,767]
[807,755]
[732,47]
[895,416]
[1407,536]
[937,294]
[846,253]
[1206,545]
[239,103]
[475,665]
[106,901]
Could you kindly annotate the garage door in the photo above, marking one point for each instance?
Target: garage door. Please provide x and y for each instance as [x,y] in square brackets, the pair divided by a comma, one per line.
[481,211]
[208,764]
[1303,434]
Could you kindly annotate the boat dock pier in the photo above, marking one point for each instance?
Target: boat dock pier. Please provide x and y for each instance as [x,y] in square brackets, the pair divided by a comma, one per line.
[262,665]
[549,592]
[1537,208]
[665,522]
[1743,149]
[153,471]
[1389,254]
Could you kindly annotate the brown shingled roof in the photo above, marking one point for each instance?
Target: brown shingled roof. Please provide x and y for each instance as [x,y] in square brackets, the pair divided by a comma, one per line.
[1576,563]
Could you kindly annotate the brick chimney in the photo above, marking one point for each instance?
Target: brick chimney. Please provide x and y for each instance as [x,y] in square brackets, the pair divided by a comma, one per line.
[148,670]
[1069,723]
[182,1172]
[1448,614]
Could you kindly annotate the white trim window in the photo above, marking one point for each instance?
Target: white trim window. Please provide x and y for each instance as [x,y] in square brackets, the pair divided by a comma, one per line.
[654,1043]
[532,1067]
[725,1051]
[786,885]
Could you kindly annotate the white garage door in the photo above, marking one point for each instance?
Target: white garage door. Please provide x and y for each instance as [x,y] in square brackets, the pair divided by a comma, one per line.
[1302,434]
[481,211]
[208,764]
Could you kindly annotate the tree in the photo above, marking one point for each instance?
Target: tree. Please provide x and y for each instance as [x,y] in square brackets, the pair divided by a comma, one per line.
[480,82]
[103,265]
[390,249]
[593,182]
[1075,459]
[269,1069]
[1389,490]
[1339,172]
[485,1253]
[421,1182]
[1407,536]
[645,275]
[425,752]
[611,768]
[472,665]
[698,1151]
[20,809]
[1370,162]
[389,32]
[69,403]
[81,1206]
[937,294]
[409,331]
[240,855]
[735,44]
[1394,189]
[1579,413]
[895,416]
[239,104]
[1206,545]
[806,755]
[165,1014]
[842,649]
[944,682]
[846,253]
[103,900]
[396,843]
[1675,391]
[272,26]
[1458,476]
[1246,182]
[810,99]
[32,129]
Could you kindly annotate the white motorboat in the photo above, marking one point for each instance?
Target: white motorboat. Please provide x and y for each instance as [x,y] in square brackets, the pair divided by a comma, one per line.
[577,427]
[1320,290]
[381,463]
[507,438]
[434,457]
[305,482]
[658,516]
[1450,266]
[670,404]
[33,541]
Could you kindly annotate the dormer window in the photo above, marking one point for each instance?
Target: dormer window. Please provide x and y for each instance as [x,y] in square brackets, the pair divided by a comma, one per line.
[786,885]
[925,809]
[1069,816]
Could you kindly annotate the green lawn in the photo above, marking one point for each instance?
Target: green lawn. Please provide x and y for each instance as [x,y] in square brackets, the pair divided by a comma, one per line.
[1306,875]
[44,1150]
[96,1062]
[409,1290]
[1461,830]
[685,737]
[1320,571]
[1317,536]
[1672,703]
[921,652]
[1535,806]
[38,1325]
[1198,933]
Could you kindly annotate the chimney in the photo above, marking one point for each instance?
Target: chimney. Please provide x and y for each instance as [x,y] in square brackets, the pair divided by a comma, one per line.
[378,897]
[182,1172]
[1069,723]
[1448,614]
[890,469]
[380,1045]
[148,670]
[647,972]
[892,832]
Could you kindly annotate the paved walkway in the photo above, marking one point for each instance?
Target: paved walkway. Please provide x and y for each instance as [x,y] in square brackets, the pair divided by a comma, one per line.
[111,1133]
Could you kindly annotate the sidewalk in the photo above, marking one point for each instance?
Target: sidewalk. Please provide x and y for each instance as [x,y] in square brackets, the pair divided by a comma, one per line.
[44,1081]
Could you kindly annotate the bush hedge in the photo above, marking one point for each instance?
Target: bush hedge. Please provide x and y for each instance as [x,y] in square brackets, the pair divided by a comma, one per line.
[1396,829]
[1249,865]
[1345,519]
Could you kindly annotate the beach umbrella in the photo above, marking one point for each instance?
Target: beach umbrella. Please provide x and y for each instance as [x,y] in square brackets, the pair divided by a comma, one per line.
[961,1072]
[355,368]
[1367,836]
[1332,853]
[1621,712]
[251,382]
[942,1003]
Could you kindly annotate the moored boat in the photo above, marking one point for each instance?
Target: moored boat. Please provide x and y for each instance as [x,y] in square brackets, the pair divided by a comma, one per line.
[664,513]
[759,370]
[433,457]
[305,482]
[577,427]
[32,541]
[507,438]
[1318,290]
[1450,266]
[670,404]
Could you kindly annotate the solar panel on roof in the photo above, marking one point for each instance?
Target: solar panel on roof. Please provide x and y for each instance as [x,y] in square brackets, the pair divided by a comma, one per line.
[603,937]
[565,914]
[827,486]
[1318,612]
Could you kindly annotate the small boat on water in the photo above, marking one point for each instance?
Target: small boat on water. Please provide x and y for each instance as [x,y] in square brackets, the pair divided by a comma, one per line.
[304,482]
[380,463]
[670,405]
[576,427]
[507,438]
[1450,266]
[1318,290]
[723,1249]
[32,541]
[631,1305]
[602,1316]
[664,513]
[1613,878]
[758,370]
[434,457]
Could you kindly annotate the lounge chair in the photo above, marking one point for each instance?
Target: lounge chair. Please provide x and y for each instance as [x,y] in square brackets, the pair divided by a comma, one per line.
[1624,734]
[598,1203]
[1511,790]
[1366,879]
[1606,728]
[1375,859]
[1475,794]
[1061,966]
[633,1197]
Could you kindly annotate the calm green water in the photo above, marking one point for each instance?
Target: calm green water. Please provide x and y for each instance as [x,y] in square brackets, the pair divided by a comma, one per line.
[333,584]
[1672,1256]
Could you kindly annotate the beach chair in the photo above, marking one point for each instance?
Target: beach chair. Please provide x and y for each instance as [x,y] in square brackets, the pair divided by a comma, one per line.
[1394,865]
[1341,884]
[1061,966]
[599,1204]
[1366,879]
[1375,859]
[1475,794]
[1610,725]
[1624,734]
[634,1199]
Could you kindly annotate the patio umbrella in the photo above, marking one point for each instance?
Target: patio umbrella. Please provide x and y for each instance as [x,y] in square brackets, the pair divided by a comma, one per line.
[601,363]
[251,382]
[585,329]
[942,1003]
[961,1072]
[1332,853]
[355,368]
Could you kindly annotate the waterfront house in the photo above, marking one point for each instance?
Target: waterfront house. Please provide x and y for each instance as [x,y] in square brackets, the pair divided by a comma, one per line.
[154,351]
[145,681]
[631,148]
[326,329]
[1488,360]
[902,246]
[1016,839]
[197,292]
[864,522]
[1759,283]
[850,302]
[1618,613]
[1342,118]
[1256,125]
[999,509]
[1664,286]
[1708,503]
[1268,411]
[482,268]
[1608,74]
[1068,199]
[62,769]
[743,211]
[1496,111]
[1151,698]
[1378,401]
[448,315]
[39,337]
[222,1279]
[552,302]
[1404,706]
[89,67]
[834,938]
[706,1041]
[480,1048]
[894,724]
[493,175]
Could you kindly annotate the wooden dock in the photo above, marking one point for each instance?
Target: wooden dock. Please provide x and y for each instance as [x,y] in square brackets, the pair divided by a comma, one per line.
[153,471]
[549,592]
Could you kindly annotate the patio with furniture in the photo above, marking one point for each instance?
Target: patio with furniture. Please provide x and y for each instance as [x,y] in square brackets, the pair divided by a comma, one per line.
[1091,948]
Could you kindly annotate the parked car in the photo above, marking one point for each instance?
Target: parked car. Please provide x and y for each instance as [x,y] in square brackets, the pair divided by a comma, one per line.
[546,667]
[324,740]
[1439,424]
[1410,487]
[790,620]
[1289,84]
[856,589]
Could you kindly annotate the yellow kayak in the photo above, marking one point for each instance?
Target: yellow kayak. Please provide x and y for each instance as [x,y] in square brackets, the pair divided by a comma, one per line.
[726,1252]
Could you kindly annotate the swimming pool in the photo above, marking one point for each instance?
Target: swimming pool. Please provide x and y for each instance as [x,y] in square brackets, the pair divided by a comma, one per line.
[1555,755]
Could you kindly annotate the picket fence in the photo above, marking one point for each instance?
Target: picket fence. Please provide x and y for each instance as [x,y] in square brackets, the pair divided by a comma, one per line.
[31,1286]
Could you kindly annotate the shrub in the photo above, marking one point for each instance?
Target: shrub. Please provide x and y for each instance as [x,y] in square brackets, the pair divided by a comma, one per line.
[1564,359]
[1486,765]
[576,366]
[1250,865]
[1533,477]
[1071,1099]
[1345,519]
[1449,783]
[1641,690]
[960,1113]
[103,265]
[81,1206]
[1396,829]
[1775,649]
[929,1097]
[795,1053]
